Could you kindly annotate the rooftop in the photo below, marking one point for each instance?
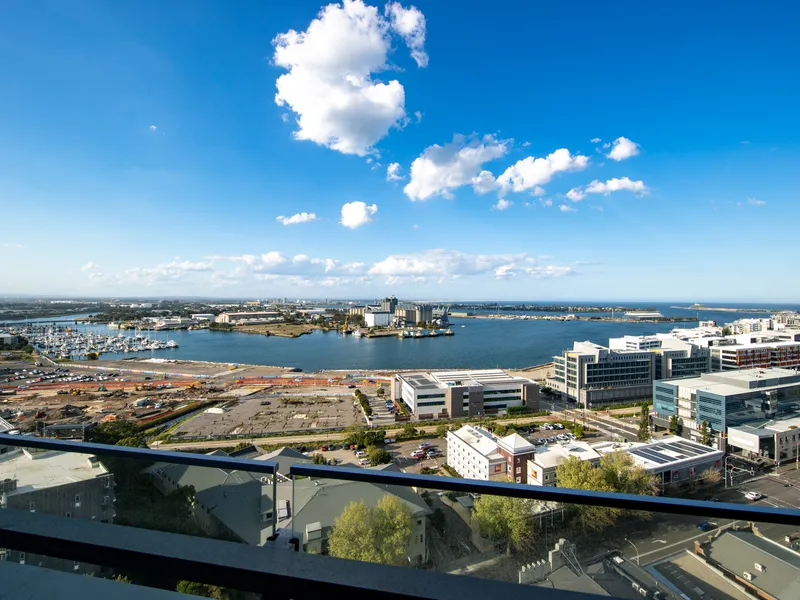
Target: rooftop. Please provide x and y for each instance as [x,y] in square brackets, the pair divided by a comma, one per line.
[738,552]
[552,455]
[478,439]
[667,452]
[41,470]
[443,379]
[739,382]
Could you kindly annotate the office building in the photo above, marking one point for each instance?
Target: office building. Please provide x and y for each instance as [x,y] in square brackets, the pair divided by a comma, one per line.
[726,399]
[777,440]
[593,375]
[70,485]
[475,453]
[455,394]
[676,358]
[634,342]
[543,464]
[750,325]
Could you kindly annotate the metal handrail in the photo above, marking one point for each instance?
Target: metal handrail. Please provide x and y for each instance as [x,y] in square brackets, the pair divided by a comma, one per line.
[679,506]
[180,458]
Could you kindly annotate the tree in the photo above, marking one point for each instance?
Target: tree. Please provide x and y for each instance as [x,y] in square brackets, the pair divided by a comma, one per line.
[206,591]
[441,430]
[133,442]
[727,330]
[500,518]
[644,424]
[318,459]
[241,446]
[378,456]
[674,425]
[92,356]
[616,472]
[378,534]
[380,391]
[579,431]
[710,477]
[705,433]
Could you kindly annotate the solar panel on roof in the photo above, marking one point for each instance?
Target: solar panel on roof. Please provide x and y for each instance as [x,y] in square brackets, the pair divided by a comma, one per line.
[686,448]
[652,456]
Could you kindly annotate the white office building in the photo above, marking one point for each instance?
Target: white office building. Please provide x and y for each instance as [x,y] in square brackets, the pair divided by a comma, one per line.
[634,342]
[455,394]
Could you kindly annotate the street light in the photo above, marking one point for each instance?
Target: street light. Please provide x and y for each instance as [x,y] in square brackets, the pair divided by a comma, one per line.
[635,548]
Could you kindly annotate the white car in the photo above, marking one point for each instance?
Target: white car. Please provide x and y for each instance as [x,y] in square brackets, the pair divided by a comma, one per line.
[753,495]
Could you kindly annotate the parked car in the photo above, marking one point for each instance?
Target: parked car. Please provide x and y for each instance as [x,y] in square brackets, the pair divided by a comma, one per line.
[547,426]
[424,445]
[706,526]
[351,386]
[753,495]
[710,499]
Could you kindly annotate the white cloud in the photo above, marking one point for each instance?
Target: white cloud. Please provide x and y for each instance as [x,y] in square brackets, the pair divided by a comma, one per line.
[302,217]
[153,128]
[616,185]
[285,117]
[393,172]
[567,208]
[607,145]
[595,140]
[538,191]
[440,169]
[623,148]
[442,265]
[11,245]
[329,84]
[756,202]
[89,266]
[484,182]
[502,204]
[576,195]
[415,226]
[547,203]
[356,214]
[531,172]
[409,23]
[418,114]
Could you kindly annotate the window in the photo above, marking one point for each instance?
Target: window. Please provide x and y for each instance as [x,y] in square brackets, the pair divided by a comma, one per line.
[419,521]
[76,565]
[519,470]
[498,468]
[22,558]
[33,507]
[68,515]
[77,499]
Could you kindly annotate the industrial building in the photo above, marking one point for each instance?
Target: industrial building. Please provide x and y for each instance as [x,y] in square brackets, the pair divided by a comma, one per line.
[377,318]
[475,453]
[593,375]
[242,318]
[7,339]
[454,394]
[57,483]
[726,399]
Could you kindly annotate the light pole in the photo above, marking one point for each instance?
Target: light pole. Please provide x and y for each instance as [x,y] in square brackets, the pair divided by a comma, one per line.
[635,548]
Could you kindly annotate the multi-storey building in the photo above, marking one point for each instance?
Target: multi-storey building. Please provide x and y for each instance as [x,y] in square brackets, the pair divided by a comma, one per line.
[726,399]
[236,318]
[377,318]
[477,454]
[455,394]
[750,325]
[543,464]
[675,359]
[749,355]
[634,342]
[59,483]
[594,375]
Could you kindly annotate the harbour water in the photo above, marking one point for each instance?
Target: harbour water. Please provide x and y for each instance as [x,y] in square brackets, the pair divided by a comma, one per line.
[477,343]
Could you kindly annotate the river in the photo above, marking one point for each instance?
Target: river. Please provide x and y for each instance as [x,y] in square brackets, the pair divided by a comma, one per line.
[477,343]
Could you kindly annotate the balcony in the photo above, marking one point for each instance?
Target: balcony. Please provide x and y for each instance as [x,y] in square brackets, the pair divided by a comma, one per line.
[268,528]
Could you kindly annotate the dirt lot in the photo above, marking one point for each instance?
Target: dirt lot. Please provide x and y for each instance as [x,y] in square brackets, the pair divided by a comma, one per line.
[278,411]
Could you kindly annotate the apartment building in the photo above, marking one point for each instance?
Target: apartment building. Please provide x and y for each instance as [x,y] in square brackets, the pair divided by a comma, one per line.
[780,353]
[593,375]
[478,454]
[750,325]
[74,486]
[455,394]
[726,399]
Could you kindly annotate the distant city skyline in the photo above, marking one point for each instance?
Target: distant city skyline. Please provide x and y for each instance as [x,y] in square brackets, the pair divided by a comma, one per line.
[359,149]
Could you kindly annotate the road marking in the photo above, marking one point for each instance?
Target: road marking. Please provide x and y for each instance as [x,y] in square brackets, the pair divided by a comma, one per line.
[659,541]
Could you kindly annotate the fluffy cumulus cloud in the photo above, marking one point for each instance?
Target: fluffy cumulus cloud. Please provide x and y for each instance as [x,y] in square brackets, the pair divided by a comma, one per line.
[356,214]
[89,266]
[576,195]
[616,185]
[756,202]
[502,204]
[566,208]
[531,172]
[393,172]
[409,23]
[153,128]
[329,84]
[595,140]
[441,169]
[302,217]
[443,265]
[623,148]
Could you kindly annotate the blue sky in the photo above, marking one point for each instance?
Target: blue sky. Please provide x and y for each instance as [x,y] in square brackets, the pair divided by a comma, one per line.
[592,151]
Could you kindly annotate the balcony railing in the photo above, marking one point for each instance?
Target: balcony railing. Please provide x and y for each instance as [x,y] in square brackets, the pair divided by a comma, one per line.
[242,526]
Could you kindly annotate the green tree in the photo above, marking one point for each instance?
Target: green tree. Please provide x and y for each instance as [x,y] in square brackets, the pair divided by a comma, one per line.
[380,391]
[727,330]
[92,356]
[644,424]
[206,591]
[705,433]
[378,456]
[616,472]
[378,534]
[318,459]
[113,431]
[409,431]
[241,446]
[579,431]
[133,442]
[27,349]
[674,425]
[441,430]
[503,519]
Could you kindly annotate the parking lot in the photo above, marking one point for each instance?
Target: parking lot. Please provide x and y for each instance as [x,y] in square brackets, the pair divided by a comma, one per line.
[277,411]
[401,455]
